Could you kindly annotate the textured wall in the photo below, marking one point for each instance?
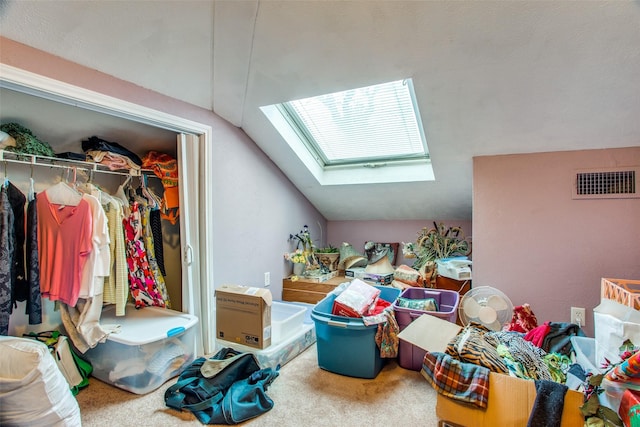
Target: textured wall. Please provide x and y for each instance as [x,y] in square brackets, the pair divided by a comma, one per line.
[540,246]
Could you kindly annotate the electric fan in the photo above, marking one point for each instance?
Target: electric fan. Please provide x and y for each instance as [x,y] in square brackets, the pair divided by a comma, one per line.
[486,305]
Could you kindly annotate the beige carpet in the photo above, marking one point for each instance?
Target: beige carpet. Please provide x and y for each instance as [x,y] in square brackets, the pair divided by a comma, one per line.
[304,395]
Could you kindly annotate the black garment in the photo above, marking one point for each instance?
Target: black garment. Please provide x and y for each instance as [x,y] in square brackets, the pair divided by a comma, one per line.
[34,302]
[72,156]
[548,405]
[156,230]
[558,339]
[97,144]
[19,287]
[7,240]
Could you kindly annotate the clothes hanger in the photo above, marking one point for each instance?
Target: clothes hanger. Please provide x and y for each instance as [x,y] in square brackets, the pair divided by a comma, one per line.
[63,194]
[6,177]
[32,190]
[153,201]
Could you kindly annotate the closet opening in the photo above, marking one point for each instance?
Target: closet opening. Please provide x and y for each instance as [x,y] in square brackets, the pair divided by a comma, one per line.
[194,162]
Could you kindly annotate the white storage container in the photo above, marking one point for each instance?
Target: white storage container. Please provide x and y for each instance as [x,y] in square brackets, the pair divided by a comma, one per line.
[286,320]
[585,350]
[153,345]
[279,353]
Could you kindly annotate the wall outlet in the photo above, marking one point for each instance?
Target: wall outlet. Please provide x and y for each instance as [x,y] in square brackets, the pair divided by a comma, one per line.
[267,279]
[578,316]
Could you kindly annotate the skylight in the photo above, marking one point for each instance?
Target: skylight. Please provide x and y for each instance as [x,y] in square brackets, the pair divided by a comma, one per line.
[371,124]
[374,127]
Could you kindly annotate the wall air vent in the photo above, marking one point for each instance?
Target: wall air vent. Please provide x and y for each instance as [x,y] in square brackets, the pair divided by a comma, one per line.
[609,183]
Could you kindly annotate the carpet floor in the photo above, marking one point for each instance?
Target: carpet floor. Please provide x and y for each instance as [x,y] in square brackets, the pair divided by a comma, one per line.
[304,395]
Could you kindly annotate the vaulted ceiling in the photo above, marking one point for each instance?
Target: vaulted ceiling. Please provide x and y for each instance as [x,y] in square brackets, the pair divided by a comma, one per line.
[491,77]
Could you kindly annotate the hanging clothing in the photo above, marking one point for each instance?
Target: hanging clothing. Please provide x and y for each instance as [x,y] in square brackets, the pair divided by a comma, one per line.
[142,285]
[97,265]
[7,251]
[153,264]
[165,167]
[158,246]
[82,322]
[34,302]
[116,286]
[19,288]
[64,244]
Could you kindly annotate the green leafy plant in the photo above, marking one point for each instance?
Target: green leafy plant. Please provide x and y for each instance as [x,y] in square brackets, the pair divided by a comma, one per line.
[327,250]
[436,243]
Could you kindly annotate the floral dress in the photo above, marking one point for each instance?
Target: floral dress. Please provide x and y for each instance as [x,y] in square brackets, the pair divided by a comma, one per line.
[142,283]
[151,251]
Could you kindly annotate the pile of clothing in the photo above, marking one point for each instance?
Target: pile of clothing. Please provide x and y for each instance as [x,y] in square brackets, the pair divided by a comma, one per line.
[522,350]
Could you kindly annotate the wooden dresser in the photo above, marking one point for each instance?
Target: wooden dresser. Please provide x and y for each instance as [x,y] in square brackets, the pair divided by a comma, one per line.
[302,290]
[460,286]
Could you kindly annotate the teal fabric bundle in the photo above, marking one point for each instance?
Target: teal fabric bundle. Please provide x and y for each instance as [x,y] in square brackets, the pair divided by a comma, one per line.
[427,304]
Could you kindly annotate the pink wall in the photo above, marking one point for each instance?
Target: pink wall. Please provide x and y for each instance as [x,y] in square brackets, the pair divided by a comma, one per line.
[359,232]
[538,245]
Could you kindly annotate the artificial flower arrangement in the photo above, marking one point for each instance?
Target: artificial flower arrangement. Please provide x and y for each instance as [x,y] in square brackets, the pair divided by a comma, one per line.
[304,247]
[305,252]
[303,238]
[628,369]
[296,257]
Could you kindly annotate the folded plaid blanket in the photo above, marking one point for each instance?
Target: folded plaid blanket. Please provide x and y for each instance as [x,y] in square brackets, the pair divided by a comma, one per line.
[458,380]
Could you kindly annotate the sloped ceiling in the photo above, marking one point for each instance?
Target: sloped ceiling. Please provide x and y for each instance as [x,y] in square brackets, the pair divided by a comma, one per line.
[491,77]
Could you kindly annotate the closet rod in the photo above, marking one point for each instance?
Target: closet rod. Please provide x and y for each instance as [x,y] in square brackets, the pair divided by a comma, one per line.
[86,166]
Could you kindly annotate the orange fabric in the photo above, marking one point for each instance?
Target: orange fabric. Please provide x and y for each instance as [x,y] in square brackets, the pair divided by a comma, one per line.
[165,167]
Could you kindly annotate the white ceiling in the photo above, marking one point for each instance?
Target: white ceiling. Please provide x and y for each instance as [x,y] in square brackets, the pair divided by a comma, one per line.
[491,77]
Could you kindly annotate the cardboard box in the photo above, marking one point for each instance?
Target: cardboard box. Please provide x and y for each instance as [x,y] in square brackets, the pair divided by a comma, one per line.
[379,279]
[243,315]
[355,272]
[374,278]
[510,399]
[321,277]
[509,404]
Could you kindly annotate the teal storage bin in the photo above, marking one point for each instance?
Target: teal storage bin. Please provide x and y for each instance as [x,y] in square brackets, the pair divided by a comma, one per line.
[345,345]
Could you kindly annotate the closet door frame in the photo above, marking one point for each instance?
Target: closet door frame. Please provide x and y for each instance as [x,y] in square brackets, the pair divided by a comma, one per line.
[200,262]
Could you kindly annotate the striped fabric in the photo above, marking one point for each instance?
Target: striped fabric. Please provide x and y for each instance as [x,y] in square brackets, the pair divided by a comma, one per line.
[457,380]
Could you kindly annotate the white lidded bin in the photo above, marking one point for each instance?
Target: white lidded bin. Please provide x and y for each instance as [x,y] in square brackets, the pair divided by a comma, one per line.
[152,345]
[286,320]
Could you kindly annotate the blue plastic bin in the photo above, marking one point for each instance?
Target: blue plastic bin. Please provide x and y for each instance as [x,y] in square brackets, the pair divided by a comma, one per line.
[345,345]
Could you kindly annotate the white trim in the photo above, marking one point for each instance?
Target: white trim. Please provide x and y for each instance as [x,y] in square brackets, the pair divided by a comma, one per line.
[45,87]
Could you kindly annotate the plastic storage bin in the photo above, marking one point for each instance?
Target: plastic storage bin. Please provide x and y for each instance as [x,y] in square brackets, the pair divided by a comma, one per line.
[286,320]
[624,291]
[153,345]
[585,350]
[281,352]
[345,345]
[410,356]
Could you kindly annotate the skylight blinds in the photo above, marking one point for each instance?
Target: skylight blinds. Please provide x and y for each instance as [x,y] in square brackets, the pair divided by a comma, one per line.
[374,123]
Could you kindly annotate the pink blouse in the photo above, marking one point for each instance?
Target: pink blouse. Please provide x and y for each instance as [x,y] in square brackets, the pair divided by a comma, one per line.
[64,244]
